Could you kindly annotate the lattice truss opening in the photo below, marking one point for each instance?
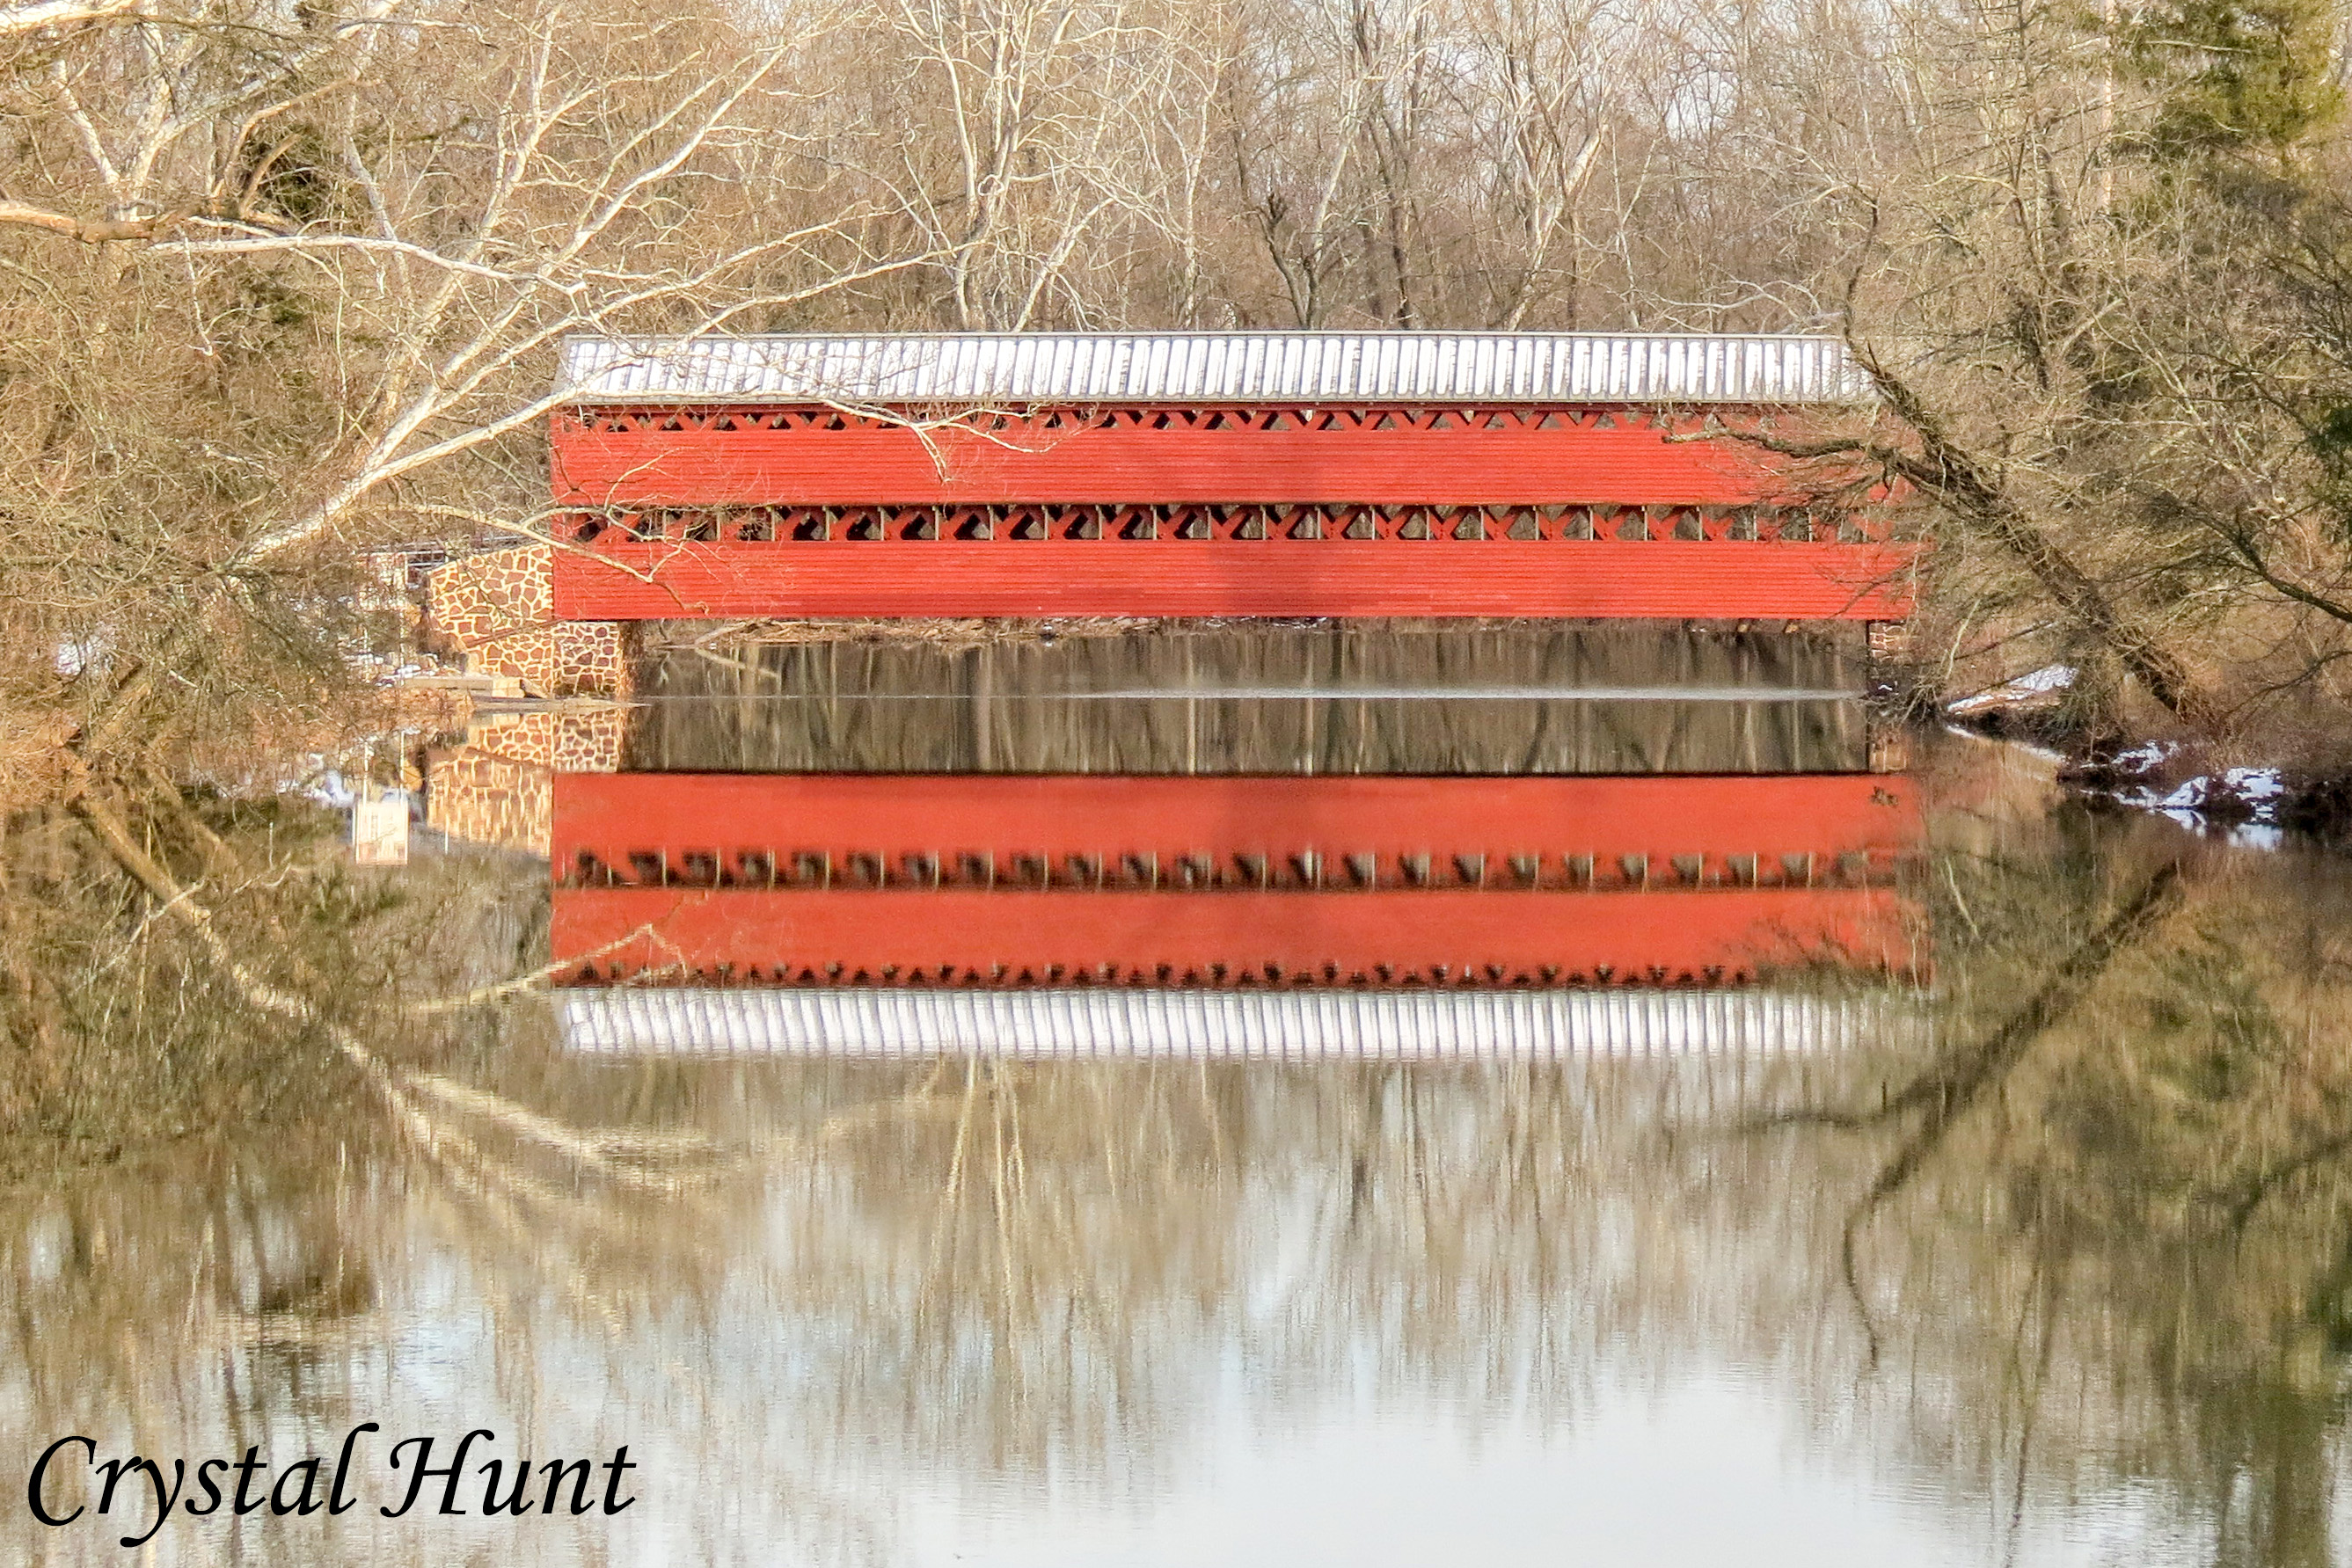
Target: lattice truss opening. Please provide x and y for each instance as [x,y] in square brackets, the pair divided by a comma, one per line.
[1214,521]
[1053,422]
[1174,977]
[1207,871]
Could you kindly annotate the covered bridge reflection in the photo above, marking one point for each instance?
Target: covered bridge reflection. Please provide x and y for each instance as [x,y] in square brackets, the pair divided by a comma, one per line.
[758,890]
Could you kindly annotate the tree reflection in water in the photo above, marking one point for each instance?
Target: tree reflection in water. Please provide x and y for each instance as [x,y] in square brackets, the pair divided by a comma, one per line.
[2098,1256]
[1263,697]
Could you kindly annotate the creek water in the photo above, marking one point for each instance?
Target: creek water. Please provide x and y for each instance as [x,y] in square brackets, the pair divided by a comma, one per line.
[1229,699]
[2023,1244]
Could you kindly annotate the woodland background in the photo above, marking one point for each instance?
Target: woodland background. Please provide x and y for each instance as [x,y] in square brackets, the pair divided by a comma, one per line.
[280,281]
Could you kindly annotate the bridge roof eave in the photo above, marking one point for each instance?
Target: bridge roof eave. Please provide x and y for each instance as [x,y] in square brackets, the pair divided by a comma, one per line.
[978,370]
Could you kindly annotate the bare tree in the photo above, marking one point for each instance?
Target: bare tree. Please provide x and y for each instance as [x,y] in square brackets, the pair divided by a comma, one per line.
[290,280]
[1017,139]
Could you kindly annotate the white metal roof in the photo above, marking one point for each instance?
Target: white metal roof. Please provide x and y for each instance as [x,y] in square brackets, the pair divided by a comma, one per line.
[1269,1025]
[1213,367]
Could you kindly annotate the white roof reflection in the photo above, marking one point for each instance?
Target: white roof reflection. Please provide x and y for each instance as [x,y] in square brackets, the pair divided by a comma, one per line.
[1204,1025]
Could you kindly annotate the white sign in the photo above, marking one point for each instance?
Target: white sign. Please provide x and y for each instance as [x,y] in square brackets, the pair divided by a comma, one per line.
[380,832]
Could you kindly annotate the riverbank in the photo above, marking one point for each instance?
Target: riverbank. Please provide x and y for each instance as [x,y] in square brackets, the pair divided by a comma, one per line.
[2248,785]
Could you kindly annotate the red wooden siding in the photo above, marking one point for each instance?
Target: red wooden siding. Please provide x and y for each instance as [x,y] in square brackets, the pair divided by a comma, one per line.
[1190,522]
[1337,831]
[1440,457]
[1183,512]
[1673,579]
[902,879]
[955,936]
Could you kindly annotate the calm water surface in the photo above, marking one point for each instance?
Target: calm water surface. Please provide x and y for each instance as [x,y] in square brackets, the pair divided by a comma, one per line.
[2044,1261]
[1229,699]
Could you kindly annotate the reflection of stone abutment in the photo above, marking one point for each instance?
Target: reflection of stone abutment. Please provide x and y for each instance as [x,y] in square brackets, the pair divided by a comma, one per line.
[1228,883]
[496,789]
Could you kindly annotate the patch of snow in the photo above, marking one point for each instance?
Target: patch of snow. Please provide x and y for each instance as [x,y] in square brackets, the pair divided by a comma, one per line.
[2189,796]
[2260,790]
[2048,678]
[2145,757]
[2254,785]
[2038,682]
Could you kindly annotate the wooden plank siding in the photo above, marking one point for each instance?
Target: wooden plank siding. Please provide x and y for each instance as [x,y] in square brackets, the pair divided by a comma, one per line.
[1613,578]
[817,880]
[689,457]
[887,820]
[625,470]
[959,936]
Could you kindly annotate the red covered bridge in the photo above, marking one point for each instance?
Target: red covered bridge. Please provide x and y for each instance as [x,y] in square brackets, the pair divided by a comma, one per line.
[847,880]
[1387,474]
